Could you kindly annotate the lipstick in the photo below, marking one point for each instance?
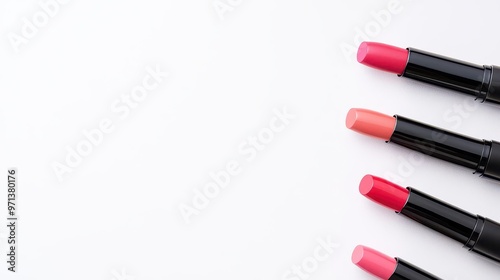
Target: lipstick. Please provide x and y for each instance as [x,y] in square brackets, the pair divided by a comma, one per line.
[387,268]
[476,233]
[481,81]
[482,156]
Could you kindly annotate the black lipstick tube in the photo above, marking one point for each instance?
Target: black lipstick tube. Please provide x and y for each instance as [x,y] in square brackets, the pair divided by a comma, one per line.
[407,271]
[483,82]
[476,233]
[482,156]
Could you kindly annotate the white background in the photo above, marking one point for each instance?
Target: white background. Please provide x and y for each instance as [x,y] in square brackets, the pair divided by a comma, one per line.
[116,215]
